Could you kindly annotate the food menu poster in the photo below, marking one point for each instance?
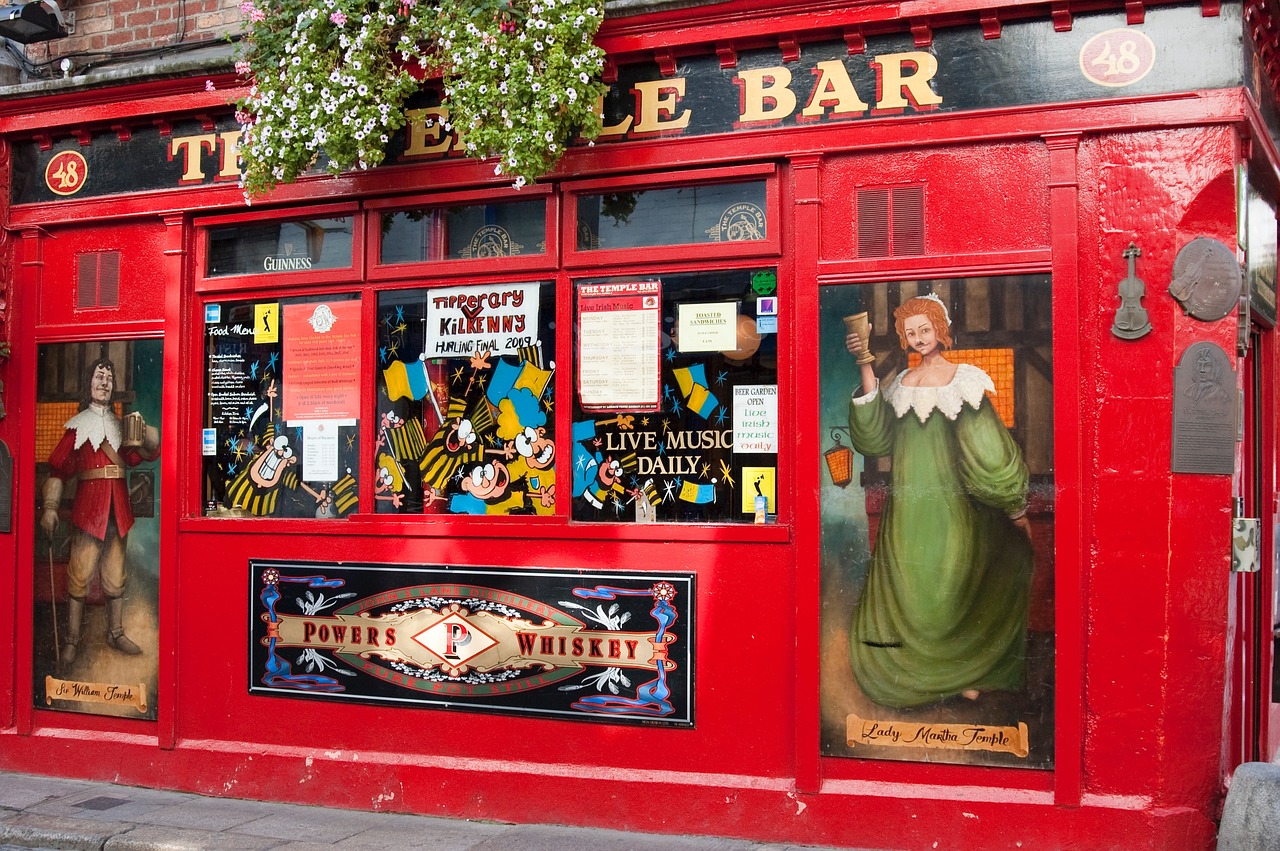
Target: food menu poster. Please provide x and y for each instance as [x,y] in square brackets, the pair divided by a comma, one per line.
[619,345]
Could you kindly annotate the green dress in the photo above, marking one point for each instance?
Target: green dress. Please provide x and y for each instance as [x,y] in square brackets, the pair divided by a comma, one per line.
[944,607]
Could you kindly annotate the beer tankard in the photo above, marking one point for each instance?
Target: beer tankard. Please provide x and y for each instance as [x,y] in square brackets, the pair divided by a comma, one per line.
[860,324]
[134,430]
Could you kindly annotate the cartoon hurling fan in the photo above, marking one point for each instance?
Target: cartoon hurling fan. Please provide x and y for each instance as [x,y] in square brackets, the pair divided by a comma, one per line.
[345,494]
[405,438]
[529,450]
[257,487]
[487,490]
[597,476]
[389,482]
[608,480]
[457,443]
[535,462]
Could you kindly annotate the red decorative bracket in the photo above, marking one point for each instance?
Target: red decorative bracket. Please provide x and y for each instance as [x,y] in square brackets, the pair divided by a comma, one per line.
[165,128]
[728,56]
[922,33]
[666,61]
[206,123]
[790,48]
[1061,17]
[609,71]
[855,41]
[83,136]
[990,24]
[1210,8]
[123,133]
[44,140]
[1135,12]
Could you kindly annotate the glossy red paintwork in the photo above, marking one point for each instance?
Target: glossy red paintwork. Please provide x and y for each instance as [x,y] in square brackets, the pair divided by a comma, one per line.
[1142,581]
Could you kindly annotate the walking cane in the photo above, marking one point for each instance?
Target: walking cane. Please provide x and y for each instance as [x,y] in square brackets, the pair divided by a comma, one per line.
[53,605]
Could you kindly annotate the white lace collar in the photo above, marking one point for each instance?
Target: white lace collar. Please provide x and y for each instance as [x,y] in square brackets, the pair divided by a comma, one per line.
[95,424]
[968,387]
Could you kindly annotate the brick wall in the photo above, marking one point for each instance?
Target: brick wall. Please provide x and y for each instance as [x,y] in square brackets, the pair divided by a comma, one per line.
[127,25]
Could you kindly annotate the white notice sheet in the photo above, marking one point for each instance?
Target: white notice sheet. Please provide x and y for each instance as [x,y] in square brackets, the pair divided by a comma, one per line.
[619,345]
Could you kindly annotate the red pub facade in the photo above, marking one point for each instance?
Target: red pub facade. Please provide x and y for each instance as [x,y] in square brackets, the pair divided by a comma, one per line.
[870,440]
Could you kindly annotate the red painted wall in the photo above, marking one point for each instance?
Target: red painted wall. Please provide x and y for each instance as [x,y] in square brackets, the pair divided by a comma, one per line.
[1159,565]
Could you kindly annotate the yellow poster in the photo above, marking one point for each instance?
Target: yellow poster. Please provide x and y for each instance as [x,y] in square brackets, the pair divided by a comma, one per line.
[759,481]
[266,323]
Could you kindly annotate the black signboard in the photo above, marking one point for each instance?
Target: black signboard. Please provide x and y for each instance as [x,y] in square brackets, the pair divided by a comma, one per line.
[597,646]
[1029,63]
[1101,56]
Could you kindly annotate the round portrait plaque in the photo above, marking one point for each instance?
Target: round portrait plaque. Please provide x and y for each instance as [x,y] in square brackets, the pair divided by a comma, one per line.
[1206,279]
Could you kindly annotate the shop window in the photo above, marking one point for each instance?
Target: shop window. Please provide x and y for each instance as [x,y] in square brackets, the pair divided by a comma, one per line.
[937,521]
[466,400]
[675,398]
[274,247]
[96,456]
[468,232]
[98,279]
[684,215]
[890,221]
[282,402]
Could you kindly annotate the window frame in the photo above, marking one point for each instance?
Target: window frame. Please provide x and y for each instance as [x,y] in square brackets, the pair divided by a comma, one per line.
[561,265]
[522,264]
[310,278]
[576,259]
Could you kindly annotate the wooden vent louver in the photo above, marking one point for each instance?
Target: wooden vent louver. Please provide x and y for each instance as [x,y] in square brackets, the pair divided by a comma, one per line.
[98,279]
[890,221]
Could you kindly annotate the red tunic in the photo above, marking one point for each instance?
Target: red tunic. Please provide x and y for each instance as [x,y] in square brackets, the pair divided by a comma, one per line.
[95,498]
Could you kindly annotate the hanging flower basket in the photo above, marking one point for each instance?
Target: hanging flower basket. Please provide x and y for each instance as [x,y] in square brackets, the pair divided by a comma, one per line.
[328,81]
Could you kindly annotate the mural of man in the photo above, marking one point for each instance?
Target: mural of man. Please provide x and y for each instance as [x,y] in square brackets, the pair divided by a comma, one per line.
[94,452]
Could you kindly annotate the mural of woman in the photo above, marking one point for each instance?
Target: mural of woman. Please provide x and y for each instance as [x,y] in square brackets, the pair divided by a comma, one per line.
[944,608]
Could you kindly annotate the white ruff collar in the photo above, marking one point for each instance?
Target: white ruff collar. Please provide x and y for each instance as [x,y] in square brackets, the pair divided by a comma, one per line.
[968,387]
[95,424]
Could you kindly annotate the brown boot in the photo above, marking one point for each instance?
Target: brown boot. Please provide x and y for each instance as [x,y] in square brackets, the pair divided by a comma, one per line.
[71,642]
[115,628]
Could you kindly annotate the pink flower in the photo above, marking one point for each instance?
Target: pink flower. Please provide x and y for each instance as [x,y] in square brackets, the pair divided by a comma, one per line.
[247,7]
[209,86]
[243,68]
[339,19]
[257,16]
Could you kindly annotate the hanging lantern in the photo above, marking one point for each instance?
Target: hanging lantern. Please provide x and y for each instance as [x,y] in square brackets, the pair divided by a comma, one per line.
[839,460]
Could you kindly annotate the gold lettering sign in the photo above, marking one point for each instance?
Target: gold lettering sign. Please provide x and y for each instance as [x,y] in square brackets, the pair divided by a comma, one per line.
[457,640]
[120,695]
[913,734]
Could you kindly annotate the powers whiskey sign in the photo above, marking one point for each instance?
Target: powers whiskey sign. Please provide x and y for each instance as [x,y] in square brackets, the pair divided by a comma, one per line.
[565,644]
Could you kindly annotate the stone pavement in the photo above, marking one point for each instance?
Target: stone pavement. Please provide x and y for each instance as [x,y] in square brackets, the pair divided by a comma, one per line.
[53,813]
